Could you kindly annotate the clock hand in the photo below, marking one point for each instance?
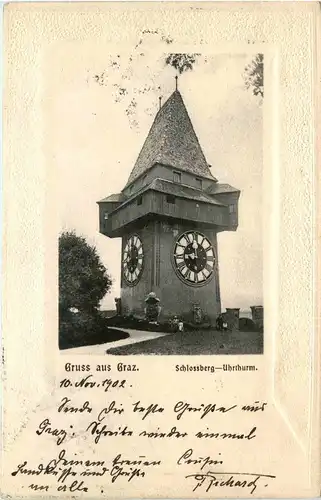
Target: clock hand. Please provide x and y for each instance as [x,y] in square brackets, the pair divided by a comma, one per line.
[194,244]
[197,258]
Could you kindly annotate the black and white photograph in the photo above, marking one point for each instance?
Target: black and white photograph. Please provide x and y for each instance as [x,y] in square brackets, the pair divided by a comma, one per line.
[160,161]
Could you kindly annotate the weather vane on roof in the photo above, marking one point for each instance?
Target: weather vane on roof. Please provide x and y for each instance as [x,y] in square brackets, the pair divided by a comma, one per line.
[176,78]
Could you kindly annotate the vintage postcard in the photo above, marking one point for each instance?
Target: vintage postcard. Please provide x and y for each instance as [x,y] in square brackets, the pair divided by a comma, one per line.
[160,319]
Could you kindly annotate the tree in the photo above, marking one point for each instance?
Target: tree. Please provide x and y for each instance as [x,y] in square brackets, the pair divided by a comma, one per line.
[83,279]
[182,62]
[254,75]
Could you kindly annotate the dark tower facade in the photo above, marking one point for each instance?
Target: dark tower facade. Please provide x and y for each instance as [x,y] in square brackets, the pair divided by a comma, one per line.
[168,216]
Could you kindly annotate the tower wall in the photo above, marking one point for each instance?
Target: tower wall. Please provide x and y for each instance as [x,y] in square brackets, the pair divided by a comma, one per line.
[159,276]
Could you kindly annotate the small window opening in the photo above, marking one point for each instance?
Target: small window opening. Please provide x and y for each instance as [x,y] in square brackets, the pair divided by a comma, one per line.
[140,200]
[170,199]
[232,209]
[177,177]
[198,183]
[106,215]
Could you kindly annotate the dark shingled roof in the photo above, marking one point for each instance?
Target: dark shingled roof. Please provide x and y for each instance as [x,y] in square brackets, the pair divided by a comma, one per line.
[117,197]
[182,191]
[222,188]
[172,141]
[179,190]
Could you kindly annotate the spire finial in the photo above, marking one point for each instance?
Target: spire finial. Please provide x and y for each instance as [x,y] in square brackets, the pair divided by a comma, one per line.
[176,84]
[160,101]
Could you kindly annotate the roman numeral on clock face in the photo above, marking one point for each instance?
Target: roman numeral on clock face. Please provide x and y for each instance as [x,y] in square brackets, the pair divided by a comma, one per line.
[208,267]
[188,275]
[201,276]
[200,239]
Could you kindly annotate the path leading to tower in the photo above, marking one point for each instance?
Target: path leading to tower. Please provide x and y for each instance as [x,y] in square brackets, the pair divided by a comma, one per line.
[197,342]
[135,336]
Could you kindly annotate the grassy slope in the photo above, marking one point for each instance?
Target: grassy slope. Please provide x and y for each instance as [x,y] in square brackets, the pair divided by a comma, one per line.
[197,342]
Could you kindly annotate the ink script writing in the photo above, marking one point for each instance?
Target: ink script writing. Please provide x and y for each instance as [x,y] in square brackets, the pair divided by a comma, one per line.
[106,432]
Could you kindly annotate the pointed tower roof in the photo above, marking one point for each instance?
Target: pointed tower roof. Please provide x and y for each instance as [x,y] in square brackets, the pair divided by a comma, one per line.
[172,141]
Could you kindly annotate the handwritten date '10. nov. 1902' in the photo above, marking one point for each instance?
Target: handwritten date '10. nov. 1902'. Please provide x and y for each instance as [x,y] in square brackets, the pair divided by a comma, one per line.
[202,472]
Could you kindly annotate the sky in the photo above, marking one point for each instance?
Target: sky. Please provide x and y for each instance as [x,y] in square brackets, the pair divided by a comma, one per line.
[100,107]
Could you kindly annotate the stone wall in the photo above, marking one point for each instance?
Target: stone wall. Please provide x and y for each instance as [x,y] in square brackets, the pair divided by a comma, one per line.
[258,316]
[232,316]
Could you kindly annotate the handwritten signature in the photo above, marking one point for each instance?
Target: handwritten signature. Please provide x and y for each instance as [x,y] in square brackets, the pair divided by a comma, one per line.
[228,479]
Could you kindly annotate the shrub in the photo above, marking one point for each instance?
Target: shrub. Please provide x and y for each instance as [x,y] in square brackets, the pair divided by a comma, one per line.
[83,282]
[83,279]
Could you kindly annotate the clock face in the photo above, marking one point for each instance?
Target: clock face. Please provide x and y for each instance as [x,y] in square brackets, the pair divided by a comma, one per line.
[194,258]
[133,259]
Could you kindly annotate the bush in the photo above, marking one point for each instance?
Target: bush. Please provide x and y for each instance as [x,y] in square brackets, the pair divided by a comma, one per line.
[83,328]
[83,279]
[75,327]
[247,325]
[83,282]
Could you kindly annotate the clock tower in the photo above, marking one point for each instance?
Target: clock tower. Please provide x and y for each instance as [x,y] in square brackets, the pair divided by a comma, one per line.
[168,216]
